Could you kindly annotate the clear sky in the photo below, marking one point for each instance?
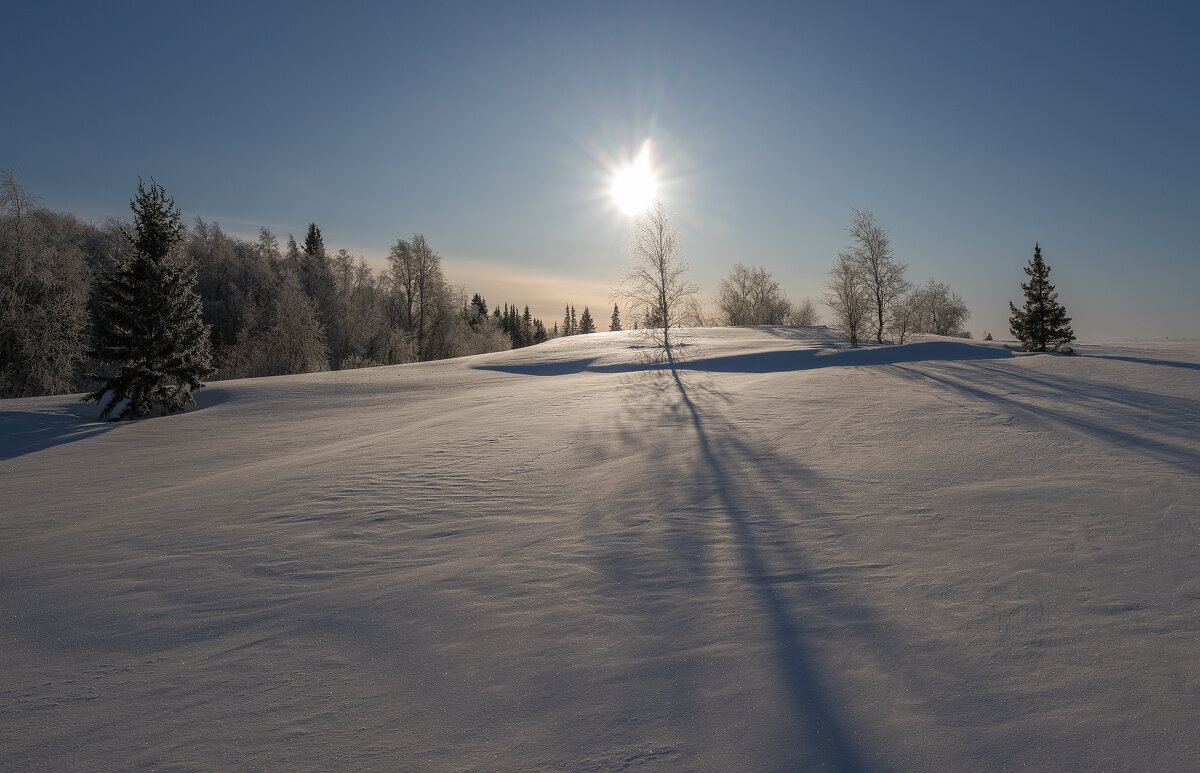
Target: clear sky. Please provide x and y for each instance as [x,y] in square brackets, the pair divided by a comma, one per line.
[971,130]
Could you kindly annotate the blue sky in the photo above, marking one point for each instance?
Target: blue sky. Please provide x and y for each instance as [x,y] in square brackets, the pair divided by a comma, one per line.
[970,130]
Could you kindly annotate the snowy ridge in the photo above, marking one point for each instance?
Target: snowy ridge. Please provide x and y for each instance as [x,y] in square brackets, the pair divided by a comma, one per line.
[775,553]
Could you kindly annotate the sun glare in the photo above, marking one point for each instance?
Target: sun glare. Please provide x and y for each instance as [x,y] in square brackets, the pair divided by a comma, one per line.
[634,187]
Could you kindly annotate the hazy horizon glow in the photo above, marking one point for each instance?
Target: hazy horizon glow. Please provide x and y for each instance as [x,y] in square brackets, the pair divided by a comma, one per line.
[497,132]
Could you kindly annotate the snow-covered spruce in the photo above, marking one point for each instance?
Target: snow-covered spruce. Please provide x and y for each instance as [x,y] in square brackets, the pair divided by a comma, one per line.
[149,338]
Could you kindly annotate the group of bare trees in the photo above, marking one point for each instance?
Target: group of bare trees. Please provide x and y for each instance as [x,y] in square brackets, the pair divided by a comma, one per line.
[749,295]
[45,282]
[867,292]
[869,296]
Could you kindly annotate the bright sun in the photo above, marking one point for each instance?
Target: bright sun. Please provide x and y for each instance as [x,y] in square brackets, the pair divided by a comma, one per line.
[634,187]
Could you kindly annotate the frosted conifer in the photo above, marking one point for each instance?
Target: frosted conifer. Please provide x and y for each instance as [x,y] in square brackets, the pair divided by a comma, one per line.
[149,333]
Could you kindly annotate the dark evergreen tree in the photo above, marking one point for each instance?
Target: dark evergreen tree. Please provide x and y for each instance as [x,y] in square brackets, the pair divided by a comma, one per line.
[574,323]
[480,310]
[526,328]
[149,333]
[586,323]
[615,324]
[1043,322]
[566,327]
[316,275]
[314,245]
[539,332]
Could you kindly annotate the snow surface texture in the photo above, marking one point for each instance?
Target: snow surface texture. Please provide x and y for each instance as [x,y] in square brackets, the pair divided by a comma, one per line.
[774,556]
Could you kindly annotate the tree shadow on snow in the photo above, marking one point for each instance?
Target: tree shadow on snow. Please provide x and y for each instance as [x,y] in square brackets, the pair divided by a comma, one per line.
[747,498]
[26,432]
[781,361]
[1143,361]
[829,741]
[1160,426]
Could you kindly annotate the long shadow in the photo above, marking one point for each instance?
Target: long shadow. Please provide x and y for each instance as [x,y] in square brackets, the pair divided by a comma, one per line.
[1143,361]
[1187,459]
[829,739]
[781,361]
[26,432]
[561,368]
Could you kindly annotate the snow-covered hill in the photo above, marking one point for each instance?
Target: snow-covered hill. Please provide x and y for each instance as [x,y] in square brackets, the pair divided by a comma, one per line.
[775,555]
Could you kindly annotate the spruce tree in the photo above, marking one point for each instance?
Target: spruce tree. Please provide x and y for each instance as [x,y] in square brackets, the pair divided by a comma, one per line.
[314,245]
[574,324]
[526,328]
[615,324]
[566,328]
[586,323]
[1043,322]
[316,274]
[149,333]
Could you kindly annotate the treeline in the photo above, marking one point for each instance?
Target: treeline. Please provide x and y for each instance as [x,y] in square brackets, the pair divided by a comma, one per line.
[271,308]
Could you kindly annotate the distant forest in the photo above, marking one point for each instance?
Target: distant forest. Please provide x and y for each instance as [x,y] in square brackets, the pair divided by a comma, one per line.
[273,308]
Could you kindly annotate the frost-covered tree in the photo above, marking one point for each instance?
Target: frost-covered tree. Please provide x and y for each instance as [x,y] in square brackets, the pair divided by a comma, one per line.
[420,292]
[804,314]
[654,286]
[1042,323]
[931,308]
[294,341]
[749,295]
[44,284]
[615,322]
[944,310]
[316,275]
[881,275]
[847,297]
[149,333]
[586,323]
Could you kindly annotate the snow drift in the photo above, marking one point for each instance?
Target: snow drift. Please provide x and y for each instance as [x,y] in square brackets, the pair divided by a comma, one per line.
[768,554]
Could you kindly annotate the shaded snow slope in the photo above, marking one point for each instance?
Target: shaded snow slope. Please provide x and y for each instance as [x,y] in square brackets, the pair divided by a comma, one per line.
[773,554]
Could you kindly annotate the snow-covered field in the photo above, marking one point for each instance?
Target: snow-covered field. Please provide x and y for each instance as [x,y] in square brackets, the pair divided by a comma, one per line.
[775,556]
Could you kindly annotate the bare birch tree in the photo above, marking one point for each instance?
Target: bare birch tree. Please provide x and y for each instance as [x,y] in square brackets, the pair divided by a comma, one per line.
[881,274]
[804,314]
[847,297]
[654,288]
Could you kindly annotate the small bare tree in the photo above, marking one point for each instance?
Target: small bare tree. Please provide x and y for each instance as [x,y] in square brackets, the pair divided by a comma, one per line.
[654,287]
[931,308]
[905,316]
[947,313]
[804,314]
[751,296]
[847,297]
[881,274]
